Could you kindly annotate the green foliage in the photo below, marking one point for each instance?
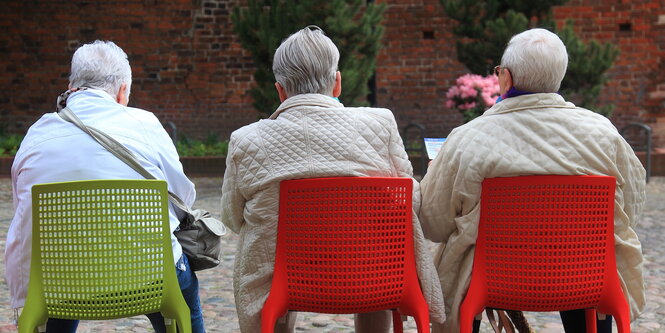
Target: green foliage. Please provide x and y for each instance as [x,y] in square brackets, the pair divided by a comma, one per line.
[354,27]
[485,27]
[9,144]
[211,146]
[414,148]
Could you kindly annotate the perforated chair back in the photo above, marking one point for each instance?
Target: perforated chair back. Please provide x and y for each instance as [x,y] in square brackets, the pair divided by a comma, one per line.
[101,249]
[345,245]
[546,243]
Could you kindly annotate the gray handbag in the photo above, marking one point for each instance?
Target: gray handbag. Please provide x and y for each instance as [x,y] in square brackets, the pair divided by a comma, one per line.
[199,233]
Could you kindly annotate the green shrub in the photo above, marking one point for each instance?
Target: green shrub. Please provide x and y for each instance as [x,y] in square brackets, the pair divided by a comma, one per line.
[9,144]
[211,146]
[353,25]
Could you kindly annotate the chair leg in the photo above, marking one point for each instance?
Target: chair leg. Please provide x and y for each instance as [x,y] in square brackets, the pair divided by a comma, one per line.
[177,319]
[397,322]
[171,325]
[27,329]
[269,318]
[30,324]
[184,324]
[623,323]
[590,317]
[422,321]
[620,312]
[472,306]
[276,305]
[617,306]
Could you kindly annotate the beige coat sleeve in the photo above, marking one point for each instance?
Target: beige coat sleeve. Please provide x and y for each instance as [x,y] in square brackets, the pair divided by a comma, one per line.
[429,280]
[448,192]
[233,202]
[634,185]
[630,197]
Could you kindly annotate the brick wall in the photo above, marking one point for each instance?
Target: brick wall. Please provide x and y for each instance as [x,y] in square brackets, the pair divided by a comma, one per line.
[637,80]
[417,65]
[189,67]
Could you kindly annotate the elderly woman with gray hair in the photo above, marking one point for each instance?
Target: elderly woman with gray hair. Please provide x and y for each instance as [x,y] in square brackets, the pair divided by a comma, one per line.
[55,150]
[311,134]
[531,131]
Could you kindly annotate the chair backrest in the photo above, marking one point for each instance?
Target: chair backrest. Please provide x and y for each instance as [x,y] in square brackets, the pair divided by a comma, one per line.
[102,249]
[345,245]
[546,243]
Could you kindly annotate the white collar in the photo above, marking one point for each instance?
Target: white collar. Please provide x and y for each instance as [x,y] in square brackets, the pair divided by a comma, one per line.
[94,92]
[307,100]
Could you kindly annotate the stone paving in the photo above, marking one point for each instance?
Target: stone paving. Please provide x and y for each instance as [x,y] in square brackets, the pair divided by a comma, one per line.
[217,290]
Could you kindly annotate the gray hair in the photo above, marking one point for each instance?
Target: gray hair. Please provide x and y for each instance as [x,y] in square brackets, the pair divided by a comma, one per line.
[306,63]
[537,61]
[101,65]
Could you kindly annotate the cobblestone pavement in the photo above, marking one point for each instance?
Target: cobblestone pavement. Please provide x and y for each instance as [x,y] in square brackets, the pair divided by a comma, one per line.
[217,290]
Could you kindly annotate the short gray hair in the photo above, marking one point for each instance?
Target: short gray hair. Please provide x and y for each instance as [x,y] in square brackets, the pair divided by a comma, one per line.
[101,65]
[537,60]
[306,63]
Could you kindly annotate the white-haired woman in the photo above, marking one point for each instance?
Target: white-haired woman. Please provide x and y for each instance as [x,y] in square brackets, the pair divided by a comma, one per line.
[311,134]
[531,131]
[55,150]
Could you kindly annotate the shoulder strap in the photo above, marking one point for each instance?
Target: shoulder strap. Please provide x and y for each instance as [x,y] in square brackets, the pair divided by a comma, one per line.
[119,150]
[501,324]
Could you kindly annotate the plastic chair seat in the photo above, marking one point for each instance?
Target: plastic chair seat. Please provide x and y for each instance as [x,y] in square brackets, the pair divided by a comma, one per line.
[101,249]
[546,243]
[345,245]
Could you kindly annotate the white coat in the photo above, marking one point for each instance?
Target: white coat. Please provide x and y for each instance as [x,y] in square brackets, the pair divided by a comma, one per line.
[55,150]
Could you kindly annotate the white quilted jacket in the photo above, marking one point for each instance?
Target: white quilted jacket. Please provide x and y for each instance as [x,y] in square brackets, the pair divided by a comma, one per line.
[527,135]
[308,136]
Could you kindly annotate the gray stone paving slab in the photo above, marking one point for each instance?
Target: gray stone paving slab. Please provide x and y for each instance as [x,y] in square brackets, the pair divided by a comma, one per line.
[217,290]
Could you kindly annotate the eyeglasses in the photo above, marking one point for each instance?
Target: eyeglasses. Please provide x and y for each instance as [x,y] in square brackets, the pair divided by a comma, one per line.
[497,70]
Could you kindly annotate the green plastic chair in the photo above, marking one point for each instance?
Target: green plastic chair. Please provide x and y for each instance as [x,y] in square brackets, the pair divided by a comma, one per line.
[101,249]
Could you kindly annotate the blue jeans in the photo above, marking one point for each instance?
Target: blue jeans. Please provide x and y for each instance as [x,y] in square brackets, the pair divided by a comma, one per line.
[189,285]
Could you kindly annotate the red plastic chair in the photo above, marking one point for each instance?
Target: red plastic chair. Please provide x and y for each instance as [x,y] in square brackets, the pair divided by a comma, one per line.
[345,245]
[546,243]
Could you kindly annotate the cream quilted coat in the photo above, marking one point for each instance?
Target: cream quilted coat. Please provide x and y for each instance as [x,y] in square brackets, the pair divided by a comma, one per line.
[308,136]
[527,135]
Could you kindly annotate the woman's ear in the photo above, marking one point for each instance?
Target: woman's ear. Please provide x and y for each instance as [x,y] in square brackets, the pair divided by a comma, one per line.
[505,81]
[337,89]
[281,92]
[121,98]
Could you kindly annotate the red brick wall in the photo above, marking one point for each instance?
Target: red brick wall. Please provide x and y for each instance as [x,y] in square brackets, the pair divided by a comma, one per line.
[413,73]
[417,65]
[636,83]
[189,67]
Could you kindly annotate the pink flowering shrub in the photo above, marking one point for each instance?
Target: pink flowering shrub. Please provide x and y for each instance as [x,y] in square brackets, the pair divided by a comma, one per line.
[472,94]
